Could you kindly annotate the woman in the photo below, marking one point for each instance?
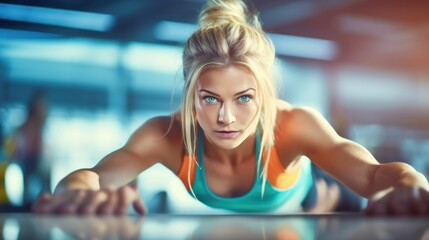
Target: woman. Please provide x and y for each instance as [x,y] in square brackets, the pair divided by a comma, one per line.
[234,144]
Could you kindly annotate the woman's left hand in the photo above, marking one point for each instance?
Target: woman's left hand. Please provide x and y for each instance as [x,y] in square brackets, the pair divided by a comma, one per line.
[404,200]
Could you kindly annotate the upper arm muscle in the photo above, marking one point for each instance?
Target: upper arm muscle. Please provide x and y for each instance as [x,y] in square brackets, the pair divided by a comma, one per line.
[345,160]
[144,148]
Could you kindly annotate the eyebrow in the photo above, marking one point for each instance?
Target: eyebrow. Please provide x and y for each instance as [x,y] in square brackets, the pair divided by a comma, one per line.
[239,93]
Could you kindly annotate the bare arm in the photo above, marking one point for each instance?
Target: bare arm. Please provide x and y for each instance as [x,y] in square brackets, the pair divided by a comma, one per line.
[103,189]
[144,148]
[100,190]
[115,170]
[349,162]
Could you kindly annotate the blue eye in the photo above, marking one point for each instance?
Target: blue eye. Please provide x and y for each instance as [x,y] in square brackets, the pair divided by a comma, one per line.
[210,99]
[244,98]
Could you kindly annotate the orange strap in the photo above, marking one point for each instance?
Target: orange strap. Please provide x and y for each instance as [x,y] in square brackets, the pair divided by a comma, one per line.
[184,169]
[280,177]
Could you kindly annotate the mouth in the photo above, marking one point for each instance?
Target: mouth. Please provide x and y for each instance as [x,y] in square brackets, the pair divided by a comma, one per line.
[227,134]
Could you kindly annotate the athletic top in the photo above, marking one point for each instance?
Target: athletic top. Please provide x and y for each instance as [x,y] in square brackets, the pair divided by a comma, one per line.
[284,190]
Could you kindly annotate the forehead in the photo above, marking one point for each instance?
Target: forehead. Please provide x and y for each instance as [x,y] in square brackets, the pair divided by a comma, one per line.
[226,79]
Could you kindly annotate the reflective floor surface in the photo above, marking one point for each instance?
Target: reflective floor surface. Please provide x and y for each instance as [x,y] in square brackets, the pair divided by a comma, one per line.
[331,226]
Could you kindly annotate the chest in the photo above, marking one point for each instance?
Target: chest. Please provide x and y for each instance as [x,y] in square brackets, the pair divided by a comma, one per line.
[230,180]
[234,180]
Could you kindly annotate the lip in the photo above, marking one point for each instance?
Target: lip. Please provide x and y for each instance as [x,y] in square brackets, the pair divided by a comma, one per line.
[227,134]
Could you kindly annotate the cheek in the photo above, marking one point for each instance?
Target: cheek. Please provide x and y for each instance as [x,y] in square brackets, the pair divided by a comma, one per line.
[206,113]
[252,119]
[249,112]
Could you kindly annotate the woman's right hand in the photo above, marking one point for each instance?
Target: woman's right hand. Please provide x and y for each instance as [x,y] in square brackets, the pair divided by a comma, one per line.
[106,201]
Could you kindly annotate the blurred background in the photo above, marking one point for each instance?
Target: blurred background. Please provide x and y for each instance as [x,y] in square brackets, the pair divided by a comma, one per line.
[78,77]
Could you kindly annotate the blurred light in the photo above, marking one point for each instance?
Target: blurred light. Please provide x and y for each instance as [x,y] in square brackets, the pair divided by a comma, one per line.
[69,136]
[285,44]
[11,33]
[14,184]
[304,47]
[74,50]
[182,229]
[369,26]
[153,57]
[286,12]
[138,56]
[380,90]
[57,17]
[174,31]
[10,229]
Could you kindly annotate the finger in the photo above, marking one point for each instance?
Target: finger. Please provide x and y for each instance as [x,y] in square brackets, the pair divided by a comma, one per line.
[130,195]
[375,210]
[377,207]
[108,206]
[125,196]
[61,200]
[423,202]
[39,206]
[139,206]
[399,203]
[70,202]
[410,201]
[92,202]
[378,203]
[416,205]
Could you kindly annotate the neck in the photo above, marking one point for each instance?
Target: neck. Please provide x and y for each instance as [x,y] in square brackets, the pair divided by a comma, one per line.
[245,151]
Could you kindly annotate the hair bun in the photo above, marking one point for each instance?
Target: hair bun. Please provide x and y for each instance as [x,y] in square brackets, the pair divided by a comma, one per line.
[223,11]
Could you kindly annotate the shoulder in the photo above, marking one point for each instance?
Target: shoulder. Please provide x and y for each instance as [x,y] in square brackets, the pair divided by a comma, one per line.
[160,126]
[160,133]
[306,127]
[289,115]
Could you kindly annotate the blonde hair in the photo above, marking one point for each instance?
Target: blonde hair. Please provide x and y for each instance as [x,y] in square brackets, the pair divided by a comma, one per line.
[229,35]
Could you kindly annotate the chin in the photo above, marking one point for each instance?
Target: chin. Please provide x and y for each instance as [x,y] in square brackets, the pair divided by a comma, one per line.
[228,144]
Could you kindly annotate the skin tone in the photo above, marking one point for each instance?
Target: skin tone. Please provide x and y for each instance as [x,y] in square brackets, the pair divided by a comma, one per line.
[228,113]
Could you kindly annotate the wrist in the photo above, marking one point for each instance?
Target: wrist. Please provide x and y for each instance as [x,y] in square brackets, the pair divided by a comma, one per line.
[84,179]
[412,179]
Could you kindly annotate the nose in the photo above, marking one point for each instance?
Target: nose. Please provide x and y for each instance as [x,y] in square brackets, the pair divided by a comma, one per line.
[226,116]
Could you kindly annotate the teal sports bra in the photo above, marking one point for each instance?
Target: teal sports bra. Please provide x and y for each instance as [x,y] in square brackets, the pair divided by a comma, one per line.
[282,199]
